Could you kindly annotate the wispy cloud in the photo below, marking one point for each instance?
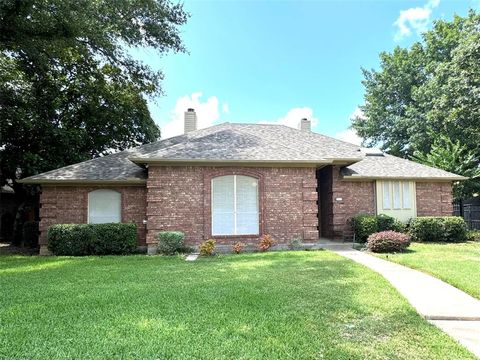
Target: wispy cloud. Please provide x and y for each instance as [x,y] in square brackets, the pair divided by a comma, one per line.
[414,20]
[207,113]
[293,116]
[350,135]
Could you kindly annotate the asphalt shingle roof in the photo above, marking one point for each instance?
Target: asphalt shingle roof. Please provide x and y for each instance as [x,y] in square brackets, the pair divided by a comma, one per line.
[388,166]
[239,143]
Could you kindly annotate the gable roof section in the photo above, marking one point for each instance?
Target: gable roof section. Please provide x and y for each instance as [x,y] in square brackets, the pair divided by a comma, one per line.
[391,167]
[249,144]
[253,143]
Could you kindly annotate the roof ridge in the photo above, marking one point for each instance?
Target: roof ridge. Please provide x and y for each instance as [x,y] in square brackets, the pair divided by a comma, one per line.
[276,143]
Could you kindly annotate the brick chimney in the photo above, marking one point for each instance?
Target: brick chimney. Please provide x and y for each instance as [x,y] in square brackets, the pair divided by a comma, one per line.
[305,124]
[190,123]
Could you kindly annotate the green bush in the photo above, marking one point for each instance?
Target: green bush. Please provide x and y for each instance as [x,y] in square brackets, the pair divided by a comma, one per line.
[438,229]
[92,239]
[171,242]
[30,234]
[365,225]
[473,235]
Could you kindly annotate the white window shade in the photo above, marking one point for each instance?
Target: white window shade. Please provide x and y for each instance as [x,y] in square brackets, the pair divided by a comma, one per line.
[407,195]
[104,206]
[247,205]
[223,205]
[235,205]
[396,195]
[386,195]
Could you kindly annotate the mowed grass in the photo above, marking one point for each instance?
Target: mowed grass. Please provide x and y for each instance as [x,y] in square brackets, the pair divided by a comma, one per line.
[455,263]
[289,305]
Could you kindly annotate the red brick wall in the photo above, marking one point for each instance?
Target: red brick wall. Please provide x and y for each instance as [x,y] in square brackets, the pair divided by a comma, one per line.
[357,197]
[69,205]
[178,198]
[434,198]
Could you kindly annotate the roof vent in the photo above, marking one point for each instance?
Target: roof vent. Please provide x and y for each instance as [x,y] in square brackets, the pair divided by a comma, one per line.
[372,152]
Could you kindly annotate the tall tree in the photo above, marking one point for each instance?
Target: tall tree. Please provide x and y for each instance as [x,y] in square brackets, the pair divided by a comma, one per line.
[427,90]
[69,88]
[454,157]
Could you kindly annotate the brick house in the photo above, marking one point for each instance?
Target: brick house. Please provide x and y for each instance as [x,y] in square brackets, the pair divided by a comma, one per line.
[238,181]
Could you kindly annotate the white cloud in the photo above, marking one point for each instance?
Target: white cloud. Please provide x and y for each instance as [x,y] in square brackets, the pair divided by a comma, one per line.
[293,116]
[207,113]
[225,108]
[350,135]
[414,20]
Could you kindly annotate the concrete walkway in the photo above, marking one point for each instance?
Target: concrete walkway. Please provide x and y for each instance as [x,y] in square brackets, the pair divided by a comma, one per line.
[452,310]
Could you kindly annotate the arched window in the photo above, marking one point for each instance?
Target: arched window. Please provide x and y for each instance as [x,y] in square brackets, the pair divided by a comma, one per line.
[235,205]
[104,206]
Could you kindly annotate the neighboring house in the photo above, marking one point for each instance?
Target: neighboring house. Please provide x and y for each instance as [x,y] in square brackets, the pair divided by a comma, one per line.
[238,181]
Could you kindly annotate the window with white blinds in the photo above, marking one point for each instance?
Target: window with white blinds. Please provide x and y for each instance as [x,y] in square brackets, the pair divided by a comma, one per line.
[104,206]
[235,205]
[396,195]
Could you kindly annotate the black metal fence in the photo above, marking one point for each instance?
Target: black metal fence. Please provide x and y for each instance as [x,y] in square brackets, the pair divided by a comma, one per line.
[470,212]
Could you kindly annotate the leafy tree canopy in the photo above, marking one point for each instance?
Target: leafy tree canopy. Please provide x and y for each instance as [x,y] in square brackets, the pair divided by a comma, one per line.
[456,158]
[425,91]
[69,88]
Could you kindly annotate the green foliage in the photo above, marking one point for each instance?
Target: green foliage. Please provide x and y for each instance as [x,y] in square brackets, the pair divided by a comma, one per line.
[365,225]
[427,91]
[438,229]
[92,239]
[473,235]
[30,234]
[388,241]
[456,158]
[69,88]
[207,247]
[171,242]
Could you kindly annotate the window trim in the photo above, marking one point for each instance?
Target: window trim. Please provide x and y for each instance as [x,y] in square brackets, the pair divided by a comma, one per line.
[235,206]
[207,209]
[112,190]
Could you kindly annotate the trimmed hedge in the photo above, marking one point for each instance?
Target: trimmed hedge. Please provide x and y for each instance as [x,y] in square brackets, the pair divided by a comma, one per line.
[439,229]
[92,239]
[365,225]
[388,241]
[171,242]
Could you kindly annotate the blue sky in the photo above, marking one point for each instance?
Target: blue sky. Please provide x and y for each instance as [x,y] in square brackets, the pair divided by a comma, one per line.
[252,61]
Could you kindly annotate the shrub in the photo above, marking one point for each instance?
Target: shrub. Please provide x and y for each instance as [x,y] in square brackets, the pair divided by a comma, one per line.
[30,234]
[365,225]
[388,241]
[92,239]
[170,242]
[295,243]
[238,247]
[473,235]
[266,242]
[438,229]
[207,247]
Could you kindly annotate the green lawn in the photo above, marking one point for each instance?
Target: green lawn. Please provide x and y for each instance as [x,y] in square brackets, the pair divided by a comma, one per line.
[455,263]
[288,305]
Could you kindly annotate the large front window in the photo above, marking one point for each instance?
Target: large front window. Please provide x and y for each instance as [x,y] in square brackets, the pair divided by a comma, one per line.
[235,205]
[104,206]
